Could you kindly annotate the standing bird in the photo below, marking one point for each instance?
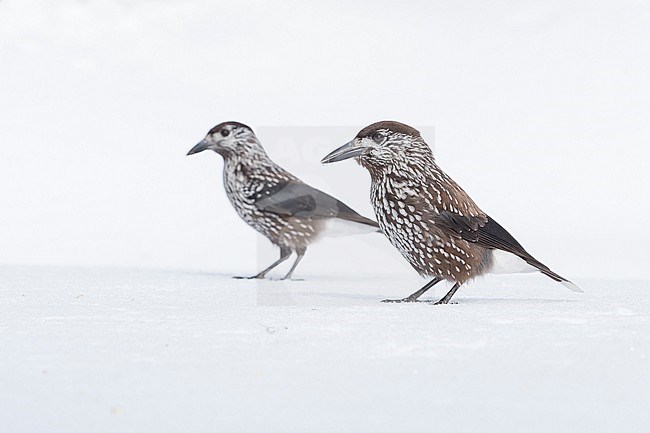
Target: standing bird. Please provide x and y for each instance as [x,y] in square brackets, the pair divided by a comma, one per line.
[431,220]
[290,213]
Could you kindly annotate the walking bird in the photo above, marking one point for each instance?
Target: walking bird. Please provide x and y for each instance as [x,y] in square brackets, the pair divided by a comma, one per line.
[431,220]
[290,213]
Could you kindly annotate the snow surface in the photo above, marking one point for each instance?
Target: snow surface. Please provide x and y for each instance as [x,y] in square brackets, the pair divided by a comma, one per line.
[540,112]
[118,350]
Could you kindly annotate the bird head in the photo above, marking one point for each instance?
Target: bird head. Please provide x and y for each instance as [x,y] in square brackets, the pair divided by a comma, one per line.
[229,138]
[383,144]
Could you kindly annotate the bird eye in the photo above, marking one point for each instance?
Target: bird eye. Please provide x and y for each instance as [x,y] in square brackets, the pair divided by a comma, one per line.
[225,132]
[377,137]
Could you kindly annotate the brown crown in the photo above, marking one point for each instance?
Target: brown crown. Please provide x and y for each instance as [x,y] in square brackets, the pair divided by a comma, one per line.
[391,126]
[231,123]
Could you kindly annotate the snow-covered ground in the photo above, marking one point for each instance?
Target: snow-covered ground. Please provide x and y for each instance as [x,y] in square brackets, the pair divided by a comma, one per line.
[540,112]
[115,350]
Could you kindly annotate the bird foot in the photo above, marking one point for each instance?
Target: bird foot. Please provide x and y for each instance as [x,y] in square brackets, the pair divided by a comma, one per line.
[395,301]
[443,302]
[254,277]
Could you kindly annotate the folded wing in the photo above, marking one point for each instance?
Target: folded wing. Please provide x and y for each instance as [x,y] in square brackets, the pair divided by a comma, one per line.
[488,233]
[296,198]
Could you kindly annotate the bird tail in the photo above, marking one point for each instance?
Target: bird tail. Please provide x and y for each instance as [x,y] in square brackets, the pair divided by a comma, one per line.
[366,222]
[354,217]
[549,273]
[345,227]
[347,215]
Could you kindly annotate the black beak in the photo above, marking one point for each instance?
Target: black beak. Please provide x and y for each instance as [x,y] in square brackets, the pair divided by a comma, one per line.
[199,147]
[349,150]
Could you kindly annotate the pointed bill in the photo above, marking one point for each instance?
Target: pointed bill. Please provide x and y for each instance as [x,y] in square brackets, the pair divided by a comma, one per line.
[200,147]
[349,150]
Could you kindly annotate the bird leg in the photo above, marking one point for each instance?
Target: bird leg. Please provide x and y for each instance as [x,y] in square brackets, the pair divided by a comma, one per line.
[447,297]
[414,297]
[301,253]
[284,255]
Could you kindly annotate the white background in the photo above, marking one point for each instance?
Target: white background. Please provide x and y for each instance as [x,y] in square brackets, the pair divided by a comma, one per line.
[540,110]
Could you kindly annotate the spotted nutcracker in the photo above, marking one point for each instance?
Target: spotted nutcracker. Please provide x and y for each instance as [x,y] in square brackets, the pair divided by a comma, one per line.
[290,213]
[431,220]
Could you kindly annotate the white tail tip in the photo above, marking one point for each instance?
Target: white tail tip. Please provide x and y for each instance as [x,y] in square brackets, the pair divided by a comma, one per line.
[339,227]
[569,285]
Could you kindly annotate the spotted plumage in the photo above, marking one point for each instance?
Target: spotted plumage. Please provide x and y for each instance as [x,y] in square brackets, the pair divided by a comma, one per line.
[426,215]
[290,213]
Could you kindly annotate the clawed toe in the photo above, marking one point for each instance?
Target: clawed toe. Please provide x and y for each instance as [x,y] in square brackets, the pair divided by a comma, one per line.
[395,301]
[410,300]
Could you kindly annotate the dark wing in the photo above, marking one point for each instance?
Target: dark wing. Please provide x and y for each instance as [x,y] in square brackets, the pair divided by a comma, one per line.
[488,233]
[296,198]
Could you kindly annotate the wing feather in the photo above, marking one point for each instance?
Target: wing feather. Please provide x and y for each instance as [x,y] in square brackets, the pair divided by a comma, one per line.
[488,233]
[296,198]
